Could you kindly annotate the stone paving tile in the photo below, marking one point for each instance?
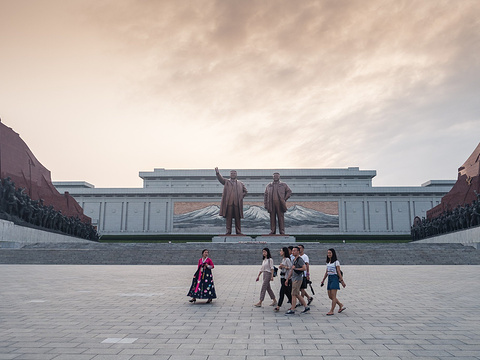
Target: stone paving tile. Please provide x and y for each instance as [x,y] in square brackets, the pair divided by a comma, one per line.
[112,357]
[65,312]
[8,356]
[74,357]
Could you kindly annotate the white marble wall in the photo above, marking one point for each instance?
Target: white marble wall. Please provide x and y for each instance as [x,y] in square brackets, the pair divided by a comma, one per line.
[390,215]
[12,235]
[362,208]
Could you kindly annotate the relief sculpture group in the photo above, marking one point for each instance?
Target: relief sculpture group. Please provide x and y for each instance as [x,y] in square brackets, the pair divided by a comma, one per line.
[231,207]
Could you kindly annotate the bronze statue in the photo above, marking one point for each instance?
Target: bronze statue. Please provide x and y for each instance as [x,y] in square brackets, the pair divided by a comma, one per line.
[232,200]
[275,200]
[17,206]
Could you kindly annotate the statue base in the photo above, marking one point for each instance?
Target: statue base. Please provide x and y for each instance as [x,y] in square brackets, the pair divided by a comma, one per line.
[232,239]
[281,239]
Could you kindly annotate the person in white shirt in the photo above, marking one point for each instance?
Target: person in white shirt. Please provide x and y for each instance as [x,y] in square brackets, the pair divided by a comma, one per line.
[335,278]
[285,288]
[267,270]
[306,274]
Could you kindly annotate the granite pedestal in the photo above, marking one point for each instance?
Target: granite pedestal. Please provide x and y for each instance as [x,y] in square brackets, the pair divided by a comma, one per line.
[282,239]
[279,239]
[232,238]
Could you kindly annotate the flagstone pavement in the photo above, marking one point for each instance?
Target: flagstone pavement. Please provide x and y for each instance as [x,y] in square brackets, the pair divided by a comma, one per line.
[135,312]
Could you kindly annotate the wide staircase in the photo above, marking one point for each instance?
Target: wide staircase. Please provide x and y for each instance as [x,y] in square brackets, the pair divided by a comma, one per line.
[349,253]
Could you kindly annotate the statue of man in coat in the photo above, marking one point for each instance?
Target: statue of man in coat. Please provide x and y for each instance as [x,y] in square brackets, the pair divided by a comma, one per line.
[275,201]
[231,206]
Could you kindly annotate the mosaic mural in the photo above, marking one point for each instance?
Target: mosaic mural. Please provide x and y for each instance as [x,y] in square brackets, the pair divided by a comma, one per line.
[301,217]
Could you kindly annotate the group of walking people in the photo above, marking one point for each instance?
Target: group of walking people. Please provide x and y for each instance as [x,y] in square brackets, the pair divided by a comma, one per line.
[294,278]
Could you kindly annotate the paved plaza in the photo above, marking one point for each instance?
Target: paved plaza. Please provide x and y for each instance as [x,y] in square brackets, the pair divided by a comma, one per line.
[87,312]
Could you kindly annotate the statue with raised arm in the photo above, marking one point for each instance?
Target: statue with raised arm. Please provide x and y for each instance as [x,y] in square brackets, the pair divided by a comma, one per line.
[275,201]
[231,206]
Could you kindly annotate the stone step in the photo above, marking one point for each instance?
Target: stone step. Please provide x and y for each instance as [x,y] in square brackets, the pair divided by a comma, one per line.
[237,254]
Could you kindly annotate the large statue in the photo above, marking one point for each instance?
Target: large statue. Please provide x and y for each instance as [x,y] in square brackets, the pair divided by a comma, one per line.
[275,200]
[232,200]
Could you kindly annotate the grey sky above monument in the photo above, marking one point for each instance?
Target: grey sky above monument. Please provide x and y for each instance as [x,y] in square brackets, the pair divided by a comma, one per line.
[101,90]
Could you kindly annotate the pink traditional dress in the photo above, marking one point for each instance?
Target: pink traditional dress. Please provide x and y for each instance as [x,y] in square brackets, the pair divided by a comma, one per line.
[202,283]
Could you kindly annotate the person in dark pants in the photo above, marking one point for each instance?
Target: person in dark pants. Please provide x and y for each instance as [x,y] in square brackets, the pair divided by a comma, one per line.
[306,274]
[286,288]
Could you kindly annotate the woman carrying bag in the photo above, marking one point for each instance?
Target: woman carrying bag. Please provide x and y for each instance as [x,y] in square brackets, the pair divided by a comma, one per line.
[267,270]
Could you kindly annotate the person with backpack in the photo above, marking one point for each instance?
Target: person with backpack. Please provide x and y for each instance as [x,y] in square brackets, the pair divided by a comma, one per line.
[335,278]
[296,274]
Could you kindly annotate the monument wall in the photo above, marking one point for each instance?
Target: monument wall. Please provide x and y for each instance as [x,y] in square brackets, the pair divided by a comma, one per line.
[18,163]
[15,236]
[324,201]
[465,190]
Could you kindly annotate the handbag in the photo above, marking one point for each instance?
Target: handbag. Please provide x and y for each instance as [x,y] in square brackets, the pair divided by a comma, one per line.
[294,269]
[275,271]
[304,283]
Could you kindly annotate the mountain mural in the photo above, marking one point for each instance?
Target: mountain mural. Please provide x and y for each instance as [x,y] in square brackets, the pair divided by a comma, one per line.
[255,218]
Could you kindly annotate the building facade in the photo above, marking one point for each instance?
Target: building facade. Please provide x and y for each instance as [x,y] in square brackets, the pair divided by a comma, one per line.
[324,201]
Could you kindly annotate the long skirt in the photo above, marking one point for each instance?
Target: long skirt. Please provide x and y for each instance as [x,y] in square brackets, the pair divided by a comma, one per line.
[202,287]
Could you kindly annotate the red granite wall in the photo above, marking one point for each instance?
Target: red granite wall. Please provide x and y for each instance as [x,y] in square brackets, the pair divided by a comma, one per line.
[19,163]
[463,192]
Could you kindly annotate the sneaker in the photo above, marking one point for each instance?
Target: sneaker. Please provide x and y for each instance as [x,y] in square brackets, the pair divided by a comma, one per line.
[307,309]
[290,312]
[298,305]
[310,300]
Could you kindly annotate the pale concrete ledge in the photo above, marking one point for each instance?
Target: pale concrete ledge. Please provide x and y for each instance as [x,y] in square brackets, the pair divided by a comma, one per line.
[467,237]
[232,239]
[15,236]
[282,239]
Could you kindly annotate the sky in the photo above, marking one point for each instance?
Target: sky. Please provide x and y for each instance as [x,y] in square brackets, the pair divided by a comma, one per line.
[103,89]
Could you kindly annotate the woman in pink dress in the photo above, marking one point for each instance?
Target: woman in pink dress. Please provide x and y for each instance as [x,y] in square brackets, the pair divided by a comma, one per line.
[202,282]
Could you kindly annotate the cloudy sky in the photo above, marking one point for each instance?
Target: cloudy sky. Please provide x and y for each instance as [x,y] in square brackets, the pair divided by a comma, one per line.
[103,89]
